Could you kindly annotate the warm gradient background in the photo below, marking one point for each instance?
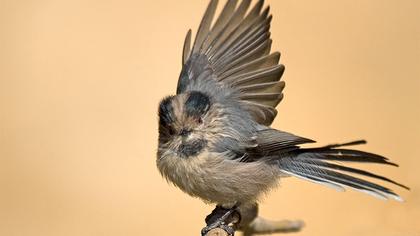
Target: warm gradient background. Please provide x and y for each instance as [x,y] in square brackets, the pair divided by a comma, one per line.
[80,81]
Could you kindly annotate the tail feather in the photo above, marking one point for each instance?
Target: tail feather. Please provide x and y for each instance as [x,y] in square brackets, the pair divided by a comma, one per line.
[332,152]
[352,143]
[355,171]
[314,164]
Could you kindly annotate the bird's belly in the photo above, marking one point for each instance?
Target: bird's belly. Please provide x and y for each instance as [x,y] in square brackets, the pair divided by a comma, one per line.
[218,180]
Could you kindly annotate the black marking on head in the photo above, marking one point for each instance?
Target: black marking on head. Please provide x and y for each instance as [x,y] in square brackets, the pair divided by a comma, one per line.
[197,104]
[192,148]
[166,111]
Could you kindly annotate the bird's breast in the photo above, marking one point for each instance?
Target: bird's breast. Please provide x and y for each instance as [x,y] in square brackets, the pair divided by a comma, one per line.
[216,179]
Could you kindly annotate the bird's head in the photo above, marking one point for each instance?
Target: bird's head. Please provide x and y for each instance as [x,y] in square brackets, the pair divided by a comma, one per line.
[184,122]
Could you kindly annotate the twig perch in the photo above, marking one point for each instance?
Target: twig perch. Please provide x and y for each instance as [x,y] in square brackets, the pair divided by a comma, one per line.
[217,232]
[263,226]
[224,222]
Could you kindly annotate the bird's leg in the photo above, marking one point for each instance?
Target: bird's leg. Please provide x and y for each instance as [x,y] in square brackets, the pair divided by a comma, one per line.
[227,219]
[220,212]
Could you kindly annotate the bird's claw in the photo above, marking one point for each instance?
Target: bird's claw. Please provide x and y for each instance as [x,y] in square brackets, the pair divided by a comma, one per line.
[223,218]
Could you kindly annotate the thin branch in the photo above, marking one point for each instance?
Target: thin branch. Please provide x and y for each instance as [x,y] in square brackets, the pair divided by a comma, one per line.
[217,232]
[263,226]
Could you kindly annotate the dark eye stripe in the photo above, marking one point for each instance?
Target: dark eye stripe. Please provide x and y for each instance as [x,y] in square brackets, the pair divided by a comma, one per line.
[197,103]
[166,111]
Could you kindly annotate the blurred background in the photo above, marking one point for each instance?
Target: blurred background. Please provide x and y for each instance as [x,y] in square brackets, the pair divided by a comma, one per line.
[80,82]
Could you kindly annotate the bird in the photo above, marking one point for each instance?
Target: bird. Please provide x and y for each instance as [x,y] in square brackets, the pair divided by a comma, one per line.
[215,137]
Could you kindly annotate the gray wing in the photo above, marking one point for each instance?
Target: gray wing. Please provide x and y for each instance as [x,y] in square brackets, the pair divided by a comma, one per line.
[235,51]
[270,144]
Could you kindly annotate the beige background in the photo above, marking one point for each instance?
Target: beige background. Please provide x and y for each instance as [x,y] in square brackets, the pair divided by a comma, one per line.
[79,86]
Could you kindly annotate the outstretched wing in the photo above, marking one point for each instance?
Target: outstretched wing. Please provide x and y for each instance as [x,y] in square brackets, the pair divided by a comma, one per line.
[235,51]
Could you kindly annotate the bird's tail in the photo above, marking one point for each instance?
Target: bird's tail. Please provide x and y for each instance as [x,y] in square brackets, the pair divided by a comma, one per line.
[323,165]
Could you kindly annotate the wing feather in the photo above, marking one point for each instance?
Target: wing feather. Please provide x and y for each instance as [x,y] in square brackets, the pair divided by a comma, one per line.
[275,142]
[187,47]
[230,26]
[204,28]
[259,63]
[236,50]
[222,20]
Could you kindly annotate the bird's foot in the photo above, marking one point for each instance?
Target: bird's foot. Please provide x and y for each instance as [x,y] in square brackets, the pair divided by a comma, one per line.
[223,218]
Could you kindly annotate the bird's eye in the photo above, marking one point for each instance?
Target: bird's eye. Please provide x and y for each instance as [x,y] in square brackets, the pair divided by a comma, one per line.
[199,120]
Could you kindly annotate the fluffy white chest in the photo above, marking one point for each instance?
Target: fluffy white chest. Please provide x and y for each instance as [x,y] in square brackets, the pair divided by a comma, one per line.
[218,180]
